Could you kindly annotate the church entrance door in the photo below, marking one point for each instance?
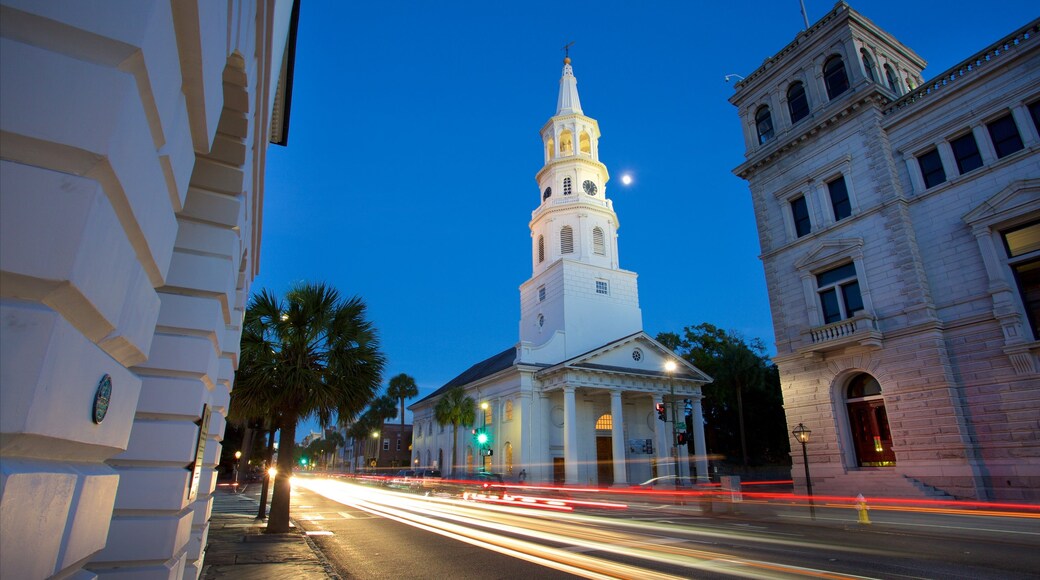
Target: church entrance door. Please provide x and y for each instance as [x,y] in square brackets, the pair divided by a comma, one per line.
[870,434]
[604,461]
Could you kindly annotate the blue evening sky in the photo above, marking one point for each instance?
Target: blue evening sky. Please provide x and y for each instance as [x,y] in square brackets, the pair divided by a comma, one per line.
[414,142]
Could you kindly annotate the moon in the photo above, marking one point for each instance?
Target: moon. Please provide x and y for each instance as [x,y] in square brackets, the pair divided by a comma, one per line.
[626,179]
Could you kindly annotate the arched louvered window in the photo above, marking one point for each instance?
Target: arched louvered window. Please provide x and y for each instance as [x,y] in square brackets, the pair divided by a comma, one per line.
[797,103]
[835,77]
[541,249]
[585,143]
[893,80]
[598,245]
[868,64]
[566,186]
[764,123]
[566,240]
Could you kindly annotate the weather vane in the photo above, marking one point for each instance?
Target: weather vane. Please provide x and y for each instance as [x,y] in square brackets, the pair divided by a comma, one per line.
[567,49]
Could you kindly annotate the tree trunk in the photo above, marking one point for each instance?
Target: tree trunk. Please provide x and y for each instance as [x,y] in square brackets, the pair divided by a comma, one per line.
[278,522]
[454,443]
[266,478]
[242,468]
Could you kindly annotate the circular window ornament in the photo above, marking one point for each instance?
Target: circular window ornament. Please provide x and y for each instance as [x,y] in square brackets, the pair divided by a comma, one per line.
[541,321]
[637,355]
[102,397]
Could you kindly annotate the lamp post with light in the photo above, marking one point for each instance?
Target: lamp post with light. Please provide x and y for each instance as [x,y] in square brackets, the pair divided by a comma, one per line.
[801,433]
[483,438]
[375,444]
[238,458]
[669,367]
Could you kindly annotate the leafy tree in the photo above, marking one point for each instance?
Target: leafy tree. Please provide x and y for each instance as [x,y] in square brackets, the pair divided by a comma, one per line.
[311,354]
[746,391]
[402,387]
[455,408]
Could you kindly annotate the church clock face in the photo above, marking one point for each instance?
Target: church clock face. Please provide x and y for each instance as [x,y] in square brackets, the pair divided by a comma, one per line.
[590,188]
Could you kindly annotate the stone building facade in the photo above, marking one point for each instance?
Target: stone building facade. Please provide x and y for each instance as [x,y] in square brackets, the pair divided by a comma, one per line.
[133,139]
[899,222]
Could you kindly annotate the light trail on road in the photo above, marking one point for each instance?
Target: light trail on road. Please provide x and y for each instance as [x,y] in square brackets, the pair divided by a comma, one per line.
[531,534]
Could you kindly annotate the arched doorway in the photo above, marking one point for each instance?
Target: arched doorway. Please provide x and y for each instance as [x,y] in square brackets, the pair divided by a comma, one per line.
[868,422]
[604,451]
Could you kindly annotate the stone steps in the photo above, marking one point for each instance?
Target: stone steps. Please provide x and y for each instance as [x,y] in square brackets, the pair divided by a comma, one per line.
[876,484]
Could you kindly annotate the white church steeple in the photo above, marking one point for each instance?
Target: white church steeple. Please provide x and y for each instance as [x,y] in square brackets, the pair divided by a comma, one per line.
[578,296]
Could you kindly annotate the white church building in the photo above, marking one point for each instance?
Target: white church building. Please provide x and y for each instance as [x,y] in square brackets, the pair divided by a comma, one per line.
[574,402]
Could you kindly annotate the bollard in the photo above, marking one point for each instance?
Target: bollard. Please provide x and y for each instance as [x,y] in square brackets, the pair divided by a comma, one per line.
[861,507]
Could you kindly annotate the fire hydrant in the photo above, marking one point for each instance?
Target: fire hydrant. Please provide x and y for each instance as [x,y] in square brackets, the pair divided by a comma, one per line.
[861,507]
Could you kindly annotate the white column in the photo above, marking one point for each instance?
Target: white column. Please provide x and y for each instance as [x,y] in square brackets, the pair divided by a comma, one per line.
[570,436]
[699,448]
[617,439]
[662,443]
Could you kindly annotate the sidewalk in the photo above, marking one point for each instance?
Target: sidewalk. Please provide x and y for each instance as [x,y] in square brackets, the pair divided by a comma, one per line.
[239,548]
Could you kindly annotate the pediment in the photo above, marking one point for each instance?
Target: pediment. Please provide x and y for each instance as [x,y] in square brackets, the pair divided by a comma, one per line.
[829,251]
[1017,198]
[634,354]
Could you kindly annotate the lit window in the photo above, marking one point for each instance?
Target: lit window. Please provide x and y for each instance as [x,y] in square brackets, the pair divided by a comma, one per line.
[601,287]
[1023,249]
[839,294]
[764,123]
[541,249]
[585,143]
[509,410]
[966,153]
[541,293]
[566,186]
[797,103]
[839,198]
[598,245]
[835,77]
[566,240]
[1004,135]
[800,214]
[488,415]
[605,422]
[931,168]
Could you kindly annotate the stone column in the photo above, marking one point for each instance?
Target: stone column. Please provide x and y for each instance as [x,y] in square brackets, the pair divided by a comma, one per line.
[570,436]
[617,439]
[699,448]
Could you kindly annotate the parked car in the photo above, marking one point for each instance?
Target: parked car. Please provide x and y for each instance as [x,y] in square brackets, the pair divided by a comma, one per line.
[426,481]
[483,485]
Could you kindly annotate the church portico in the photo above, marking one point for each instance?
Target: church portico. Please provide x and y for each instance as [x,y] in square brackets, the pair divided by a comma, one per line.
[582,383]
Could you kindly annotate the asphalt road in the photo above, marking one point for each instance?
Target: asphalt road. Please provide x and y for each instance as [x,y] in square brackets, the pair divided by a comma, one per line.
[370,532]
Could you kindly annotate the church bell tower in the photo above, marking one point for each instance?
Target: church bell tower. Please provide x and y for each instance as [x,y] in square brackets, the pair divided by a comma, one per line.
[578,298]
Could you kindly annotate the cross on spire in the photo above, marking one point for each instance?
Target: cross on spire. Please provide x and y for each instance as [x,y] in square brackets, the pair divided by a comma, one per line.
[567,49]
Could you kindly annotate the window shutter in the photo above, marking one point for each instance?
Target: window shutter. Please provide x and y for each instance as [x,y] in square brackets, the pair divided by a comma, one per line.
[566,240]
[598,247]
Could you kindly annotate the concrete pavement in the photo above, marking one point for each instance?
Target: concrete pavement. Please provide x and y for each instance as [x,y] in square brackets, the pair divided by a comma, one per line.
[239,548]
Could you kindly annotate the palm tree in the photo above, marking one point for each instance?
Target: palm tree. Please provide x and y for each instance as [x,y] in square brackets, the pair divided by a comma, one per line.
[313,354]
[335,441]
[402,387]
[457,409]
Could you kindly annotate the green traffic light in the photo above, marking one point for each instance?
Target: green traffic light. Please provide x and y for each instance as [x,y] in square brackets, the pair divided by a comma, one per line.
[482,438]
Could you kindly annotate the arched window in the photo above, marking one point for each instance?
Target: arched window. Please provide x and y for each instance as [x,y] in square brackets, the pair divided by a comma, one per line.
[541,249]
[868,422]
[566,186]
[566,142]
[427,464]
[764,123]
[605,422]
[509,410]
[585,143]
[598,245]
[550,149]
[868,64]
[566,240]
[893,80]
[547,194]
[835,77]
[797,103]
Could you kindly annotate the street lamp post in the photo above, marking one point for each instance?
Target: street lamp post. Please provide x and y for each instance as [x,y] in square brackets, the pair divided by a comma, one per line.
[375,452]
[483,437]
[670,367]
[801,433]
[238,457]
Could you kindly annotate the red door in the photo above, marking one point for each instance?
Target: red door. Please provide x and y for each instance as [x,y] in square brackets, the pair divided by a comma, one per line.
[870,434]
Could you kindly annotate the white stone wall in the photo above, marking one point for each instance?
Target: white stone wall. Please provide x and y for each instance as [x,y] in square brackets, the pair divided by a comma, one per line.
[961,410]
[133,138]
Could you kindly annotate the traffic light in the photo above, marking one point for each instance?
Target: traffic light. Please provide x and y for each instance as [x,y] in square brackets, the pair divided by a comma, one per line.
[681,438]
[661,412]
[482,437]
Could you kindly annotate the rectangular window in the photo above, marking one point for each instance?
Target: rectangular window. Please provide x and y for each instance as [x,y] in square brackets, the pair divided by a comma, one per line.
[1023,248]
[398,444]
[386,445]
[966,152]
[839,293]
[840,198]
[541,293]
[1004,135]
[800,213]
[601,287]
[931,168]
